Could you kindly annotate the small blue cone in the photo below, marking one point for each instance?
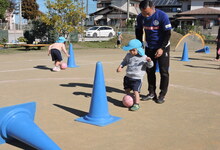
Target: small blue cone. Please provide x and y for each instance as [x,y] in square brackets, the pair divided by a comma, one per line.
[71,59]
[185,53]
[157,67]
[16,122]
[206,50]
[98,112]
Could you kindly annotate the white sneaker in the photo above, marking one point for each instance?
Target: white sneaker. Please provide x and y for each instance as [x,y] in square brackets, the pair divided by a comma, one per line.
[56,69]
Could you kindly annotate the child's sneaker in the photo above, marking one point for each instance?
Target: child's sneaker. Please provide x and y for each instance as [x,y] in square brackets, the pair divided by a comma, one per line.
[56,69]
[134,107]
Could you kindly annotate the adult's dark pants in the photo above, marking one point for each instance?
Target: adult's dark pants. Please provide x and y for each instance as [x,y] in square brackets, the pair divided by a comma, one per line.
[163,62]
[218,46]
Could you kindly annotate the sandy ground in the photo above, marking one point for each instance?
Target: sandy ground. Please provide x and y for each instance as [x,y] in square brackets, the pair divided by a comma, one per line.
[188,120]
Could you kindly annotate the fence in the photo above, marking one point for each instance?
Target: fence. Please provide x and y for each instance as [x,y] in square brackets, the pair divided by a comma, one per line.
[7,26]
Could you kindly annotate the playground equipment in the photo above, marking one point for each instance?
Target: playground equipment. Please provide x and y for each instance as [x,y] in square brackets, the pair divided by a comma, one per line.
[193,40]
[206,50]
[98,112]
[185,53]
[16,122]
[71,60]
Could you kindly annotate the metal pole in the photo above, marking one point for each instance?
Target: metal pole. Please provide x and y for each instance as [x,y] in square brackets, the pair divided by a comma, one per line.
[20,14]
[128,6]
[82,21]
[87,7]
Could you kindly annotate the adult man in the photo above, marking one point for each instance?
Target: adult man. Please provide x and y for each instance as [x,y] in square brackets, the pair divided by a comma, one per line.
[153,26]
[218,43]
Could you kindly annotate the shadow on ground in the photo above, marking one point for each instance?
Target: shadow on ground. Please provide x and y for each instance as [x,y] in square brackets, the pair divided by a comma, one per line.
[108,88]
[112,100]
[72,110]
[20,145]
[43,67]
[190,58]
[204,67]
[81,113]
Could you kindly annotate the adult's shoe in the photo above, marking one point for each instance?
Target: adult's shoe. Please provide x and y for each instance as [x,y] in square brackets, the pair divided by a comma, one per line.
[150,96]
[160,100]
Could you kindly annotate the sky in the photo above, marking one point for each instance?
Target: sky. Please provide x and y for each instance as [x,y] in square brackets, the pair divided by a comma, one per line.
[92,5]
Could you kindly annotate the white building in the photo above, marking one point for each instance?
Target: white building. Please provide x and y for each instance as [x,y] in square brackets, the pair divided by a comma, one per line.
[204,12]
[196,4]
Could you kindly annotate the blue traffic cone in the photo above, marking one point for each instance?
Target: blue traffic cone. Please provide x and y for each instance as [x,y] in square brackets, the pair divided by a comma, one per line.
[206,50]
[157,67]
[71,59]
[17,123]
[185,53]
[200,51]
[98,112]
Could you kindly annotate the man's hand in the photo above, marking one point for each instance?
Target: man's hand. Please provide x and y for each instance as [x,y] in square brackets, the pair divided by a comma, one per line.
[158,53]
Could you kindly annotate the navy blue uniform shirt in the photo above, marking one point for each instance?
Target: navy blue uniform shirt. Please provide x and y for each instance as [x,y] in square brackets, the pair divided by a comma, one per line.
[154,26]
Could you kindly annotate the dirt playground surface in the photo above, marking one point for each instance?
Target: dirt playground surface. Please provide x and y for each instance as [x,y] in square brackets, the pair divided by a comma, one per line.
[188,120]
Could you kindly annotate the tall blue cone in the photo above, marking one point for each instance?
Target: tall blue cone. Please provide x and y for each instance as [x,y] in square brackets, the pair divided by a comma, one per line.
[206,50]
[157,67]
[98,112]
[71,60]
[185,53]
[16,122]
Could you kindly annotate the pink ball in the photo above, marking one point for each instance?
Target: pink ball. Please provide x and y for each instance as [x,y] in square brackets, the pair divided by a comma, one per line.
[128,101]
[63,66]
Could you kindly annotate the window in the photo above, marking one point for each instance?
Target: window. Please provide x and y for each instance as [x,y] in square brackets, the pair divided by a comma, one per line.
[212,4]
[188,7]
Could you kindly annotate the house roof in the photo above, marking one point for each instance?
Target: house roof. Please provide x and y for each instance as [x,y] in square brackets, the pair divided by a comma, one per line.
[186,18]
[201,11]
[167,3]
[110,8]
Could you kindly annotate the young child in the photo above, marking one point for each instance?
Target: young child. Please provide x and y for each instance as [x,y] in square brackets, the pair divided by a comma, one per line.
[136,62]
[119,40]
[55,51]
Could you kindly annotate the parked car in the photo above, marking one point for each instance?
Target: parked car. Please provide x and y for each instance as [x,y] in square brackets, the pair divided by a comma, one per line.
[100,31]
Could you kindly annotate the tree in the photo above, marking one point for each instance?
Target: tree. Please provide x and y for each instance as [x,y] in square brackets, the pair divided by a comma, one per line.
[4,6]
[30,9]
[65,16]
[40,30]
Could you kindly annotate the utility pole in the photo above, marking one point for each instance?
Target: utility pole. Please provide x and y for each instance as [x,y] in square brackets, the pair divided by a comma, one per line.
[87,7]
[82,21]
[128,8]
[20,16]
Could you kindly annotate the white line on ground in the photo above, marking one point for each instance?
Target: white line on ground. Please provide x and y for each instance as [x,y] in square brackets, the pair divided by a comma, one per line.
[112,80]
[196,89]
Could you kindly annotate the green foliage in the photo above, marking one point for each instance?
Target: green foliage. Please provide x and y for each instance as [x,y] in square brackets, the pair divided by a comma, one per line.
[189,28]
[65,16]
[29,36]
[130,23]
[30,9]
[42,31]
[22,39]
[4,4]
[3,41]
[209,37]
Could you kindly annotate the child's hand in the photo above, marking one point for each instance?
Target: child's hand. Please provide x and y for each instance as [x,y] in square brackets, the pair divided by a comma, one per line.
[67,55]
[119,69]
[148,59]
